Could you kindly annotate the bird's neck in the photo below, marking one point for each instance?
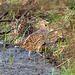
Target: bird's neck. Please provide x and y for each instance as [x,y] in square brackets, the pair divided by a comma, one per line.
[42,27]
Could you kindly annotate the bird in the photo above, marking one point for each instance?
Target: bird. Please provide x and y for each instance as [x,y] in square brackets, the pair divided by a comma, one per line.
[35,40]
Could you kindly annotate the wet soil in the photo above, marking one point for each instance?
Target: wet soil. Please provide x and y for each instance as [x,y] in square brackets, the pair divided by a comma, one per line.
[21,65]
[37,65]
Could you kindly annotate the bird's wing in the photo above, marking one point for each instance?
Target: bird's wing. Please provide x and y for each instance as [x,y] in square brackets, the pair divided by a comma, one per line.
[33,38]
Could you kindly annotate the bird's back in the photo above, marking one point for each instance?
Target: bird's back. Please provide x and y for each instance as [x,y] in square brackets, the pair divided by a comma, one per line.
[35,40]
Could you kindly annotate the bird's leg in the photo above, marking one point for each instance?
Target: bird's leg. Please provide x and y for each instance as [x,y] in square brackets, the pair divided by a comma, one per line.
[37,51]
[29,55]
[40,54]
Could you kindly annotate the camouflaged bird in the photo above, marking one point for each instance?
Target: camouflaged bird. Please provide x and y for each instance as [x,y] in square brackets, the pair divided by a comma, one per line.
[35,40]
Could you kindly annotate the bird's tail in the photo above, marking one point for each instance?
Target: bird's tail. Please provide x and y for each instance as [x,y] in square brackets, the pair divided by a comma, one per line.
[12,45]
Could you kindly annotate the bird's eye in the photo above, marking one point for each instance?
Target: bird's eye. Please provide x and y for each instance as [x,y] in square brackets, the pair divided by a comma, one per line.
[45,24]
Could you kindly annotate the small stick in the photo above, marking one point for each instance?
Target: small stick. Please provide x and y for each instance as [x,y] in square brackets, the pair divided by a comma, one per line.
[5,12]
[34,7]
[61,50]
[63,63]
[7,20]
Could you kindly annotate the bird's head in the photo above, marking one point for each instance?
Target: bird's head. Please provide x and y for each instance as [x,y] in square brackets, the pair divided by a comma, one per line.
[43,23]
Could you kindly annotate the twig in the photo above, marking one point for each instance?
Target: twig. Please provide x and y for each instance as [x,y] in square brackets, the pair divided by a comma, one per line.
[5,12]
[25,13]
[5,32]
[61,50]
[7,20]
[63,62]
[34,7]
[57,29]
[55,32]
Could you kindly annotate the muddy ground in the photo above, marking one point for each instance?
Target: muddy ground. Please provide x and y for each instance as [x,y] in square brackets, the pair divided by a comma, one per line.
[14,61]
[22,66]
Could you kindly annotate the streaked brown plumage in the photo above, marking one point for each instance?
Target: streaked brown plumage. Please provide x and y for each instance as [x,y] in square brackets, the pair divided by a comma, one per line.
[35,40]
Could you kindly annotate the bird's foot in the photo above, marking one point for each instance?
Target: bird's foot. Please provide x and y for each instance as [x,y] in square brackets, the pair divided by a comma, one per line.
[29,58]
[29,55]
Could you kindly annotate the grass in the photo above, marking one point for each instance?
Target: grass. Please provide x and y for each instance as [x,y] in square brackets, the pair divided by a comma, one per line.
[14,1]
[4,42]
[54,16]
[25,32]
[7,37]
[11,59]
[66,71]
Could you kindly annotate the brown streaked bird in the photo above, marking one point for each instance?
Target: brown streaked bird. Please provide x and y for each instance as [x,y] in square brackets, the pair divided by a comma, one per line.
[35,40]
